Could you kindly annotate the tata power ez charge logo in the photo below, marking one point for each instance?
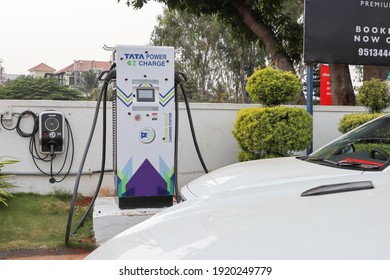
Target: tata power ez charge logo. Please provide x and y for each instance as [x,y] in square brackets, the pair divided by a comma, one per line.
[147,59]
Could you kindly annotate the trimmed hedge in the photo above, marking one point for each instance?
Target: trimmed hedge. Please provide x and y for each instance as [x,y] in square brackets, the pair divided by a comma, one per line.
[375,95]
[272,132]
[351,121]
[272,87]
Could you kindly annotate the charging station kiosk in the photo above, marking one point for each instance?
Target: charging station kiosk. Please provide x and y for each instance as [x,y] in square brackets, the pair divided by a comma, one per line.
[144,126]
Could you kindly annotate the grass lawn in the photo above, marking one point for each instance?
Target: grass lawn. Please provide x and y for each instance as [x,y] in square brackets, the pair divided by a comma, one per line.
[34,221]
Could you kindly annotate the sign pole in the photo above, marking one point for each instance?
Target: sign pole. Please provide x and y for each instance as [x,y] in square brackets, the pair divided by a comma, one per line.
[309,98]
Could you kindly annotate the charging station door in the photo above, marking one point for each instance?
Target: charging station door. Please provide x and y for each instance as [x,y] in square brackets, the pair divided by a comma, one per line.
[144,126]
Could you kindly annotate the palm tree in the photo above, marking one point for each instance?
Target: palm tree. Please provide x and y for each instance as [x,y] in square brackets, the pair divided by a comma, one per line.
[89,81]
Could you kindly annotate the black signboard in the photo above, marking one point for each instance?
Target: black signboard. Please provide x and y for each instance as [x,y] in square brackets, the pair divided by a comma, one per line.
[347,32]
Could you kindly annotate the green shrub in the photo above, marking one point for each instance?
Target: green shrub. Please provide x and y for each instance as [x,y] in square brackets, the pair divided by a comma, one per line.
[375,95]
[351,121]
[277,131]
[4,185]
[30,88]
[363,147]
[272,87]
[272,132]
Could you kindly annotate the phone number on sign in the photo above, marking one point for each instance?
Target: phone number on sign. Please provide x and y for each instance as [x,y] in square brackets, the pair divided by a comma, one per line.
[373,52]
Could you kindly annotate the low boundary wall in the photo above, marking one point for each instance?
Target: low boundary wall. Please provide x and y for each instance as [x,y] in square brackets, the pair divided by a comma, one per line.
[213,125]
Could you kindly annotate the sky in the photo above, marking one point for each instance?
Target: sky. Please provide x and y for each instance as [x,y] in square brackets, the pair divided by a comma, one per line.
[58,32]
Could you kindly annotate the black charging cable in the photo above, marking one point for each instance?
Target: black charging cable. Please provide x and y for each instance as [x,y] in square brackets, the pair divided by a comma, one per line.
[52,155]
[107,77]
[181,78]
[17,127]
[36,156]
[52,180]
[70,140]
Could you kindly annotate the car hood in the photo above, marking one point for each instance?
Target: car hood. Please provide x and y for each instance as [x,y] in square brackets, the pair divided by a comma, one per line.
[272,222]
[261,172]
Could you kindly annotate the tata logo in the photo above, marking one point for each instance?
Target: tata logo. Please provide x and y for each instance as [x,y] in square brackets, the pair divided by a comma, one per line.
[134,56]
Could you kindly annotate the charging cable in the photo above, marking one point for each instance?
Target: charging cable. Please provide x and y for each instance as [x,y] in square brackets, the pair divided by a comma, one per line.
[181,78]
[110,75]
[36,156]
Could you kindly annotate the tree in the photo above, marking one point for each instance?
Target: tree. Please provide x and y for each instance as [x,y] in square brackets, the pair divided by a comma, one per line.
[375,72]
[265,20]
[273,23]
[341,85]
[215,62]
[242,58]
[89,81]
[38,89]
[195,40]
[316,83]
[375,95]
[2,78]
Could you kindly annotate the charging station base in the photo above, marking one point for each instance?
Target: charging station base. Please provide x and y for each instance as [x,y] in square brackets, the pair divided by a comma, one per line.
[144,202]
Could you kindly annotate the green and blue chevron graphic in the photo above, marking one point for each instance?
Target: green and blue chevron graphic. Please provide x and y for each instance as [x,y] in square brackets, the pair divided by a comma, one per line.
[166,98]
[124,98]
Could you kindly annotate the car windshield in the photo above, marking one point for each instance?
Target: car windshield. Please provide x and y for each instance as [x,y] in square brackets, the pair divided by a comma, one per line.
[367,147]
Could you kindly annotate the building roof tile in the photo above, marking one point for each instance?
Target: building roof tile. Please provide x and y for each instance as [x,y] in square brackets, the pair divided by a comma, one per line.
[42,67]
[85,65]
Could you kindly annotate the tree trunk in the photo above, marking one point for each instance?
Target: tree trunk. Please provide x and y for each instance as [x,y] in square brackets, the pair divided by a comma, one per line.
[341,85]
[375,72]
[244,94]
[267,37]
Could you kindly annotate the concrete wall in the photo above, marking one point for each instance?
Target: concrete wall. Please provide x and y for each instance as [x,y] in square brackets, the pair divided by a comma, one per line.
[213,125]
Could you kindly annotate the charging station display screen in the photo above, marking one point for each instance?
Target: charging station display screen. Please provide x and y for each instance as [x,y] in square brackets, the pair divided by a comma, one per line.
[145,95]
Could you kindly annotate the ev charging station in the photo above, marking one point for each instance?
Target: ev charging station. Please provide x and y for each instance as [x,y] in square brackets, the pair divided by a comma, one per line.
[145,138]
[51,132]
[144,126]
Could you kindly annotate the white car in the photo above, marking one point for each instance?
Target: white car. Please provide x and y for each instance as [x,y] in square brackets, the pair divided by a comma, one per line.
[332,204]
